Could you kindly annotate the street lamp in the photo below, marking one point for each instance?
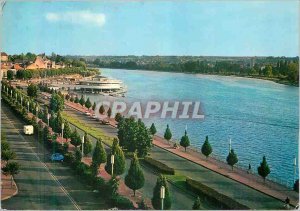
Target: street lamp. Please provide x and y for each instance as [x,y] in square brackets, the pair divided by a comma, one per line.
[62,132]
[112,161]
[295,165]
[36,110]
[21,100]
[48,117]
[27,106]
[11,93]
[82,142]
[16,95]
[162,196]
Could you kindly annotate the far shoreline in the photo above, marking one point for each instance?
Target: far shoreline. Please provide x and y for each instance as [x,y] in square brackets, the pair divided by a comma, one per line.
[275,80]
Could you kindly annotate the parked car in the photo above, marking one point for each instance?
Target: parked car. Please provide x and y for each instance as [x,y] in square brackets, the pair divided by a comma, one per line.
[94,116]
[57,157]
[88,113]
[104,122]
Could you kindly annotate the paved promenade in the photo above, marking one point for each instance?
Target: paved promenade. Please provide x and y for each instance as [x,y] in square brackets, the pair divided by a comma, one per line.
[8,188]
[268,193]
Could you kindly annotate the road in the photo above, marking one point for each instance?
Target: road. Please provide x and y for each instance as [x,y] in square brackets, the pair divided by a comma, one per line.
[250,197]
[180,199]
[43,185]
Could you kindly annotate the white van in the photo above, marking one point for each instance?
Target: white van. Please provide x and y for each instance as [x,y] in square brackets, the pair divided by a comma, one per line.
[28,129]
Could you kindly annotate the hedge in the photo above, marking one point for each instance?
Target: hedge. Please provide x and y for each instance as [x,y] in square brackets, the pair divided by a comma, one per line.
[216,197]
[122,203]
[161,167]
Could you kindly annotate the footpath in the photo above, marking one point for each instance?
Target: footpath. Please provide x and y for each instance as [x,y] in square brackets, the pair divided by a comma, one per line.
[251,180]
[8,187]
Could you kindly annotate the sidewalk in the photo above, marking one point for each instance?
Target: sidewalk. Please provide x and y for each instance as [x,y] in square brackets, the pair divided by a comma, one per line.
[251,180]
[270,188]
[7,191]
[123,189]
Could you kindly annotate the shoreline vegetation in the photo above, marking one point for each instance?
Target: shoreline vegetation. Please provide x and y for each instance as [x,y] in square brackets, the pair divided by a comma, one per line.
[283,70]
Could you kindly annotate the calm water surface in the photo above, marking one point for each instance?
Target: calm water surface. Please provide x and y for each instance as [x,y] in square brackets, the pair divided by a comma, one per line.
[261,117]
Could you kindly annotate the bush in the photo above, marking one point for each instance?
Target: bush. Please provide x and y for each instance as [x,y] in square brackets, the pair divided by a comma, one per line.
[161,167]
[69,158]
[122,203]
[224,201]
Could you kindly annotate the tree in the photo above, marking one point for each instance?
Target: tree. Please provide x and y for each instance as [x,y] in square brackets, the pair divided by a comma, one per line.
[94,106]
[76,100]
[46,134]
[153,129]
[88,103]
[264,170]
[58,122]
[11,168]
[72,99]
[10,75]
[87,146]
[32,90]
[135,177]
[119,164]
[232,158]
[7,155]
[75,138]
[197,204]
[67,130]
[99,155]
[185,142]
[82,101]
[77,156]
[206,148]
[109,112]
[134,136]
[296,186]
[156,200]
[56,103]
[101,109]
[168,134]
[118,117]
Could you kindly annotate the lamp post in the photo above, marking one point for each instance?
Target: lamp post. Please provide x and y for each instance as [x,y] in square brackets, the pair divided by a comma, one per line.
[48,117]
[295,165]
[11,93]
[62,132]
[82,143]
[27,106]
[7,90]
[229,145]
[36,110]
[21,100]
[16,95]
[112,161]
[162,196]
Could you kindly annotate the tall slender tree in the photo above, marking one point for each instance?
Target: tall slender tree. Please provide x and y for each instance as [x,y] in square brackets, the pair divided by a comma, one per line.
[232,158]
[264,169]
[135,178]
[168,134]
[119,158]
[185,142]
[75,138]
[88,103]
[156,200]
[153,129]
[99,155]
[206,148]
[101,109]
[197,204]
[82,101]
[94,106]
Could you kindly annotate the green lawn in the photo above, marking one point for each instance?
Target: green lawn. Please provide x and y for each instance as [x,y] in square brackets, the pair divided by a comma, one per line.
[90,130]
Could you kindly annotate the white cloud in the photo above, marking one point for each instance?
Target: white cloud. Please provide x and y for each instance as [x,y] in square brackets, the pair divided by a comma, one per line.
[78,17]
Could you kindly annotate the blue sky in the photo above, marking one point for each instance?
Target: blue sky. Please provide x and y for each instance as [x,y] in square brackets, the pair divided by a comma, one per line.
[216,28]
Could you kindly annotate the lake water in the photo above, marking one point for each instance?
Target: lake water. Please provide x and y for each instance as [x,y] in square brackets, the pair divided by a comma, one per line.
[261,117]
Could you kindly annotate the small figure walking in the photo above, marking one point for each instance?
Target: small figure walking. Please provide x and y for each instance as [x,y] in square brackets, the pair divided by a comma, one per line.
[249,169]
[287,203]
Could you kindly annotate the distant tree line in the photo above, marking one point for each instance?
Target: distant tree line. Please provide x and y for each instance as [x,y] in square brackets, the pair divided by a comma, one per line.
[28,74]
[279,68]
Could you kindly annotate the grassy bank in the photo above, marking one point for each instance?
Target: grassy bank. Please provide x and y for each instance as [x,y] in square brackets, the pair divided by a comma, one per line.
[90,130]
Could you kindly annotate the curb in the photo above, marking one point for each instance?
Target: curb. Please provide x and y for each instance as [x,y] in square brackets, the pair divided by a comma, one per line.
[15,193]
[292,204]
